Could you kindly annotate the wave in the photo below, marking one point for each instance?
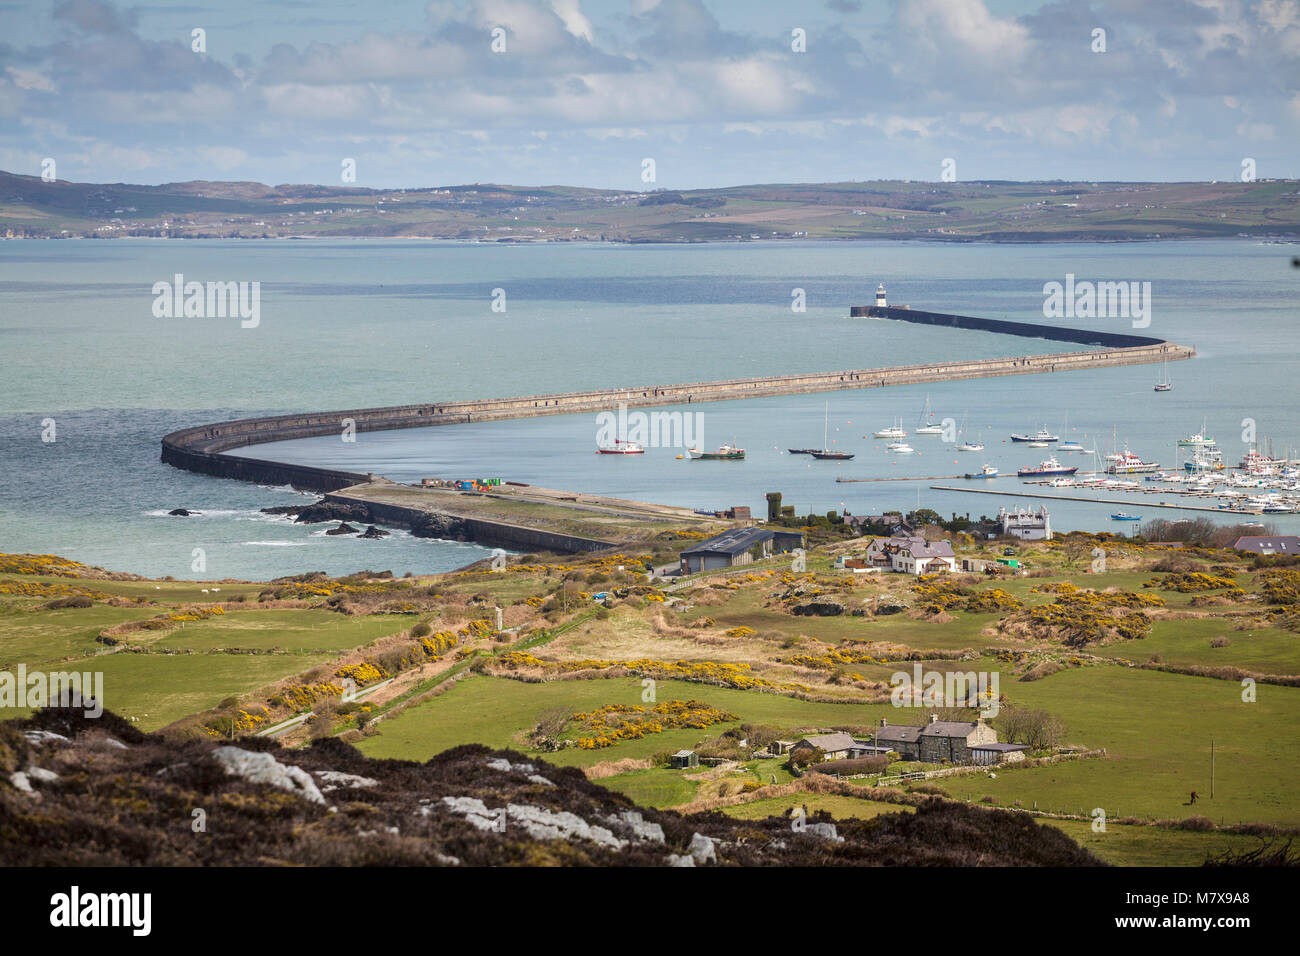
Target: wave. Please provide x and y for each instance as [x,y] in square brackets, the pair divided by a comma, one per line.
[276,544]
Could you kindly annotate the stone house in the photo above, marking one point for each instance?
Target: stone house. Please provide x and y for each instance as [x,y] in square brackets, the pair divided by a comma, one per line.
[939,740]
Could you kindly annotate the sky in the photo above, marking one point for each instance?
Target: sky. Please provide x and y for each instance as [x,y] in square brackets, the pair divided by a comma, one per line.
[715,92]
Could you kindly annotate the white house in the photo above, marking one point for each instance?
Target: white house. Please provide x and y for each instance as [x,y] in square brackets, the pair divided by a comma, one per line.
[1026,524]
[912,555]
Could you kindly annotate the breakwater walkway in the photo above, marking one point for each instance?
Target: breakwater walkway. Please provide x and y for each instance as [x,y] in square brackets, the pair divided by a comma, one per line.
[201,448]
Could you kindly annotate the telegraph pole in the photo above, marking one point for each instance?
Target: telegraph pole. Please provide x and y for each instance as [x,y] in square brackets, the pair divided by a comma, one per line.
[1211,768]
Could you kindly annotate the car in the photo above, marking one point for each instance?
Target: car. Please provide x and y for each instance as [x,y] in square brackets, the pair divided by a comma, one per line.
[1008,551]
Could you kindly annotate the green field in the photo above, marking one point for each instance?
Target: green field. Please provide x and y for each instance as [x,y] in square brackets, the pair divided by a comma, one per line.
[495,711]
[1157,728]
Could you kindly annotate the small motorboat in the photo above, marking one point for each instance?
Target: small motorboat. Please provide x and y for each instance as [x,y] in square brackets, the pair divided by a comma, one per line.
[1124,516]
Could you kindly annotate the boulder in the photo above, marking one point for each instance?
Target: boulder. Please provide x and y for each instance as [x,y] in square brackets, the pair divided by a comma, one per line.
[264,768]
[343,528]
[818,609]
[333,511]
[447,527]
[702,849]
[182,513]
[373,532]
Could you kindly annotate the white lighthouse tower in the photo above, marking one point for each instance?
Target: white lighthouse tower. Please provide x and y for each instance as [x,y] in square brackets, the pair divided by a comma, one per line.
[880,296]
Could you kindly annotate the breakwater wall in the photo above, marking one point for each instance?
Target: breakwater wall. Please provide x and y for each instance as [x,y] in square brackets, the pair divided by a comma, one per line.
[493,534]
[201,449]
[1036,330]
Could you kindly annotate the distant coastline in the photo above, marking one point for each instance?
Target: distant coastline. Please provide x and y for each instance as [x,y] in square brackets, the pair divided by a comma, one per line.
[976,211]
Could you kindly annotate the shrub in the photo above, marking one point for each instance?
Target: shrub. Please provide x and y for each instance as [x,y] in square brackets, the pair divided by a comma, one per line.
[76,601]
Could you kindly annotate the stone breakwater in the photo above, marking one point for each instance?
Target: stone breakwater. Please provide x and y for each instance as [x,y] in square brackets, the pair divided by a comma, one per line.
[200,449]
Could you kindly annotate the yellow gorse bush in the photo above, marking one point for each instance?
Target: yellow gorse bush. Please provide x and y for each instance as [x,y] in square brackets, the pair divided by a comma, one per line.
[39,564]
[614,722]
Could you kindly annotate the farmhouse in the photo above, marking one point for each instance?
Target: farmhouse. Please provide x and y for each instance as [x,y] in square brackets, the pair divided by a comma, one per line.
[738,546]
[939,740]
[912,555]
[1269,544]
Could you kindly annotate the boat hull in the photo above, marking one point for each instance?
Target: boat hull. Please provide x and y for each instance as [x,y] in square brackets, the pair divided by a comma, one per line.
[1045,473]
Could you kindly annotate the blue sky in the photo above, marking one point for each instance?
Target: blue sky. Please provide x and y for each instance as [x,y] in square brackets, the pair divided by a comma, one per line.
[712,90]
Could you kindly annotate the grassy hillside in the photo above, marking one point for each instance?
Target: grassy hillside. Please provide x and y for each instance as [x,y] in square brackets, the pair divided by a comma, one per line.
[1137,671]
[1021,212]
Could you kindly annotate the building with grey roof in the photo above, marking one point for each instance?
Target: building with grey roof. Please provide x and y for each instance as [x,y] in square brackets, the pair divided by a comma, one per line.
[1269,544]
[738,546]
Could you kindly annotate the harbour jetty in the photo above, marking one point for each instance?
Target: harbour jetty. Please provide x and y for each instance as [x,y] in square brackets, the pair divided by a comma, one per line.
[203,448]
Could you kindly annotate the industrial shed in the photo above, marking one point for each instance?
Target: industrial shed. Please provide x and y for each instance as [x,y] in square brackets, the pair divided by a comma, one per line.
[738,546]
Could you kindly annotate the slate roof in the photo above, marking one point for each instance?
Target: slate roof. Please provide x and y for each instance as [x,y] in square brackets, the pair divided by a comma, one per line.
[949,728]
[918,547]
[901,733]
[831,742]
[1269,544]
[733,541]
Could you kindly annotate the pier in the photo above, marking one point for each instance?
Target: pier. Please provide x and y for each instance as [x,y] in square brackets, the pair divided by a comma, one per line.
[1102,501]
[202,448]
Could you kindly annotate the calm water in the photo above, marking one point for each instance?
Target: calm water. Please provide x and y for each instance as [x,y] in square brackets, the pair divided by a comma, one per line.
[356,323]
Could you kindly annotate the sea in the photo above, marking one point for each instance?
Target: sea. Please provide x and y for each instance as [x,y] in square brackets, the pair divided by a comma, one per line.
[92,376]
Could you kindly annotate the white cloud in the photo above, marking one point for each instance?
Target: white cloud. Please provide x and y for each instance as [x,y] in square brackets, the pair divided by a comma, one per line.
[31,80]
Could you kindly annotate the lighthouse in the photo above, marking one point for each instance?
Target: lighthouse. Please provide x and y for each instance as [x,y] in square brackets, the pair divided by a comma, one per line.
[880,296]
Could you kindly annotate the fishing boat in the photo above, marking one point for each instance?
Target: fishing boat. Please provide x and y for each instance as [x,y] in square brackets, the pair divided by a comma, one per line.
[1124,516]
[723,453]
[825,453]
[1199,440]
[927,416]
[894,431]
[988,471]
[1205,459]
[621,447]
[1042,435]
[1128,463]
[1048,468]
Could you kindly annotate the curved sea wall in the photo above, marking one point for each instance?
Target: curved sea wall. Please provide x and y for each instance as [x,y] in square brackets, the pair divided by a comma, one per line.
[1054,333]
[200,449]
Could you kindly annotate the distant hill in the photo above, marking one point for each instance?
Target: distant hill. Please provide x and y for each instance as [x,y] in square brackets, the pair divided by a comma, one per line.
[963,211]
